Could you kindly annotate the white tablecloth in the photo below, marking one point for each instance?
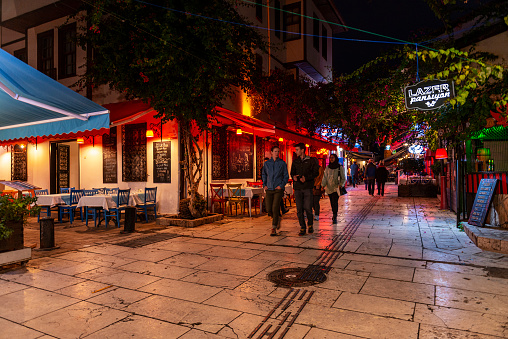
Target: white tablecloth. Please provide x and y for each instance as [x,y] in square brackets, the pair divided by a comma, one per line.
[52,199]
[100,200]
[249,192]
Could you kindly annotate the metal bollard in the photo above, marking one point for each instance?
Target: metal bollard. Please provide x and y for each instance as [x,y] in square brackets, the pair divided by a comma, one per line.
[130,220]
[47,227]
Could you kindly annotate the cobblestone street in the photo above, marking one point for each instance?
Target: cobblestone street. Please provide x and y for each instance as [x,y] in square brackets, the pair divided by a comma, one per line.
[397,268]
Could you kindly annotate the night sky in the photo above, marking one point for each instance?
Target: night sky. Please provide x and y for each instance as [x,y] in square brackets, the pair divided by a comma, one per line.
[402,19]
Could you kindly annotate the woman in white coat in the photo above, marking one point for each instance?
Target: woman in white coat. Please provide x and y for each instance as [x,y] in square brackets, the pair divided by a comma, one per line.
[333,178]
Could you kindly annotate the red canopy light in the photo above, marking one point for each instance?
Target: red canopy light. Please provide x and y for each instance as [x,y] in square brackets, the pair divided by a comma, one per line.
[441,153]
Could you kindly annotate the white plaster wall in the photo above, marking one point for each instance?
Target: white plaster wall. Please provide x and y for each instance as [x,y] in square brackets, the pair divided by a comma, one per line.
[91,172]
[38,163]
[497,45]
[5,164]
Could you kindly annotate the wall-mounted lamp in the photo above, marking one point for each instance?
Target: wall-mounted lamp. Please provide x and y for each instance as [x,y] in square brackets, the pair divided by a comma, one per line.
[281,139]
[149,133]
[80,141]
[238,131]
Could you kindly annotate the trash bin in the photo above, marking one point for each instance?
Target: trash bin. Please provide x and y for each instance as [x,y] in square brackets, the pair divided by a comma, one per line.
[47,227]
[130,220]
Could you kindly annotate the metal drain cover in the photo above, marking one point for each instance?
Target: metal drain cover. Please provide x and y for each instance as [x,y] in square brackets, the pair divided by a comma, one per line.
[143,241]
[292,277]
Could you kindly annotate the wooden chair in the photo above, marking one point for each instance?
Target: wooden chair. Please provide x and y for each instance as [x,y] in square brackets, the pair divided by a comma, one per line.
[46,208]
[111,191]
[150,201]
[72,207]
[217,192]
[101,190]
[92,211]
[235,197]
[122,201]
[66,189]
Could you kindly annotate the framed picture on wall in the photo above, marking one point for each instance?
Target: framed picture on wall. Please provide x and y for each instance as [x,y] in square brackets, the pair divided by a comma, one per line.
[241,156]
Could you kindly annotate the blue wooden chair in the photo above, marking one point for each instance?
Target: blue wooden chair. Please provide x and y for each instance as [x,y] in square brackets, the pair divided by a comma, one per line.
[71,207]
[66,189]
[92,211]
[122,201]
[150,202]
[101,190]
[112,191]
[46,208]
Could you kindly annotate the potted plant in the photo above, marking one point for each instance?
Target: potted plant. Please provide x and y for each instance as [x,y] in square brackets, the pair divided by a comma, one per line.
[13,215]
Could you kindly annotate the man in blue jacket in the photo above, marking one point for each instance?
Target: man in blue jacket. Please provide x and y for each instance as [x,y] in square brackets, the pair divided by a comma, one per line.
[354,174]
[275,177]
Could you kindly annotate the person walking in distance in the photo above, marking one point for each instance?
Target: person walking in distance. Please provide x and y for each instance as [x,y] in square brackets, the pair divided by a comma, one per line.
[333,178]
[275,177]
[381,178]
[303,171]
[354,174]
[370,175]
[317,192]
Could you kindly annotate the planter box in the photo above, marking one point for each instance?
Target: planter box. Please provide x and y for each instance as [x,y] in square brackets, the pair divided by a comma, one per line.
[12,257]
[16,240]
[417,190]
[212,217]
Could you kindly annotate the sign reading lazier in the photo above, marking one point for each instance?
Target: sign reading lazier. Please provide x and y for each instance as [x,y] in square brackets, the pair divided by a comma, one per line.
[428,95]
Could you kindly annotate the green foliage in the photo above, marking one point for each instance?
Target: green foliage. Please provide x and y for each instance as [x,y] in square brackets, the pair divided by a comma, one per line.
[436,167]
[183,65]
[15,210]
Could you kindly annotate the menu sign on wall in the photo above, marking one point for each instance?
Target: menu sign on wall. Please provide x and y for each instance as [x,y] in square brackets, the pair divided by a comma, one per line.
[162,162]
[19,165]
[428,95]
[109,162]
[482,202]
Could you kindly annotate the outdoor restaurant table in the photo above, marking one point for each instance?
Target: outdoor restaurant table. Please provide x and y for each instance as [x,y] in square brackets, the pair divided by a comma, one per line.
[404,180]
[53,199]
[249,192]
[100,200]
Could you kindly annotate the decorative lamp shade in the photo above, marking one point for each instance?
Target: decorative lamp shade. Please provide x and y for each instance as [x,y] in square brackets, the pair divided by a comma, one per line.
[80,141]
[149,133]
[238,131]
[441,153]
[281,139]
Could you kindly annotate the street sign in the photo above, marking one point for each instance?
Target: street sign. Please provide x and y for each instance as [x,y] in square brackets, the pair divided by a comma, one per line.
[428,95]
[482,202]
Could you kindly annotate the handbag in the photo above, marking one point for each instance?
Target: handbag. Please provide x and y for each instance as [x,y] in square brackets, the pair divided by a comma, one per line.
[343,191]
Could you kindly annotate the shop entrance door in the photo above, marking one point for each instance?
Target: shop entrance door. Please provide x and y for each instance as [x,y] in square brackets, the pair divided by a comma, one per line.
[64,170]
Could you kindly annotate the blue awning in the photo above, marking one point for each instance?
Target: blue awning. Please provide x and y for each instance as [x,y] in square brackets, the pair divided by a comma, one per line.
[32,104]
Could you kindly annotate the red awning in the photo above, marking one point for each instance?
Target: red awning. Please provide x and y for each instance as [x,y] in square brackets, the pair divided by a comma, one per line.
[126,111]
[245,123]
[296,137]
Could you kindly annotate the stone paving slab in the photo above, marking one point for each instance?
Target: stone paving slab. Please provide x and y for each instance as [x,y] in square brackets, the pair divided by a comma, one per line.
[492,239]
[406,272]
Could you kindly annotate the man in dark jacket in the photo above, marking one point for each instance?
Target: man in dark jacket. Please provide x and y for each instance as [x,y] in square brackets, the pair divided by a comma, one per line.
[381,178]
[275,177]
[354,174]
[370,175]
[304,171]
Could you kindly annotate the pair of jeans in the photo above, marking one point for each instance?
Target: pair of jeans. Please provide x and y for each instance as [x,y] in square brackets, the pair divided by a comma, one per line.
[334,202]
[315,204]
[380,188]
[272,204]
[371,184]
[354,180]
[304,199]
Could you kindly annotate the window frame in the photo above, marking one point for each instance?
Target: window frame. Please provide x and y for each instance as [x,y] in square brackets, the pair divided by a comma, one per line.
[41,61]
[324,43]
[290,20]
[63,54]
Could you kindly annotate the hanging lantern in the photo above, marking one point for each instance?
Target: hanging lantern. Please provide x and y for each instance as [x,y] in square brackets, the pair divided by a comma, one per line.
[80,141]
[281,139]
[149,133]
[441,153]
[238,131]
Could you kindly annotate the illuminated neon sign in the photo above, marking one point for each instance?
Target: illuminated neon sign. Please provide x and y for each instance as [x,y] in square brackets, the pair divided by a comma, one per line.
[428,95]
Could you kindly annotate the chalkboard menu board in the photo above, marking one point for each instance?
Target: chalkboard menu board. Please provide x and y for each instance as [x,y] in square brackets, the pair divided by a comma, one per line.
[109,162]
[134,152]
[482,202]
[19,165]
[162,162]
[63,166]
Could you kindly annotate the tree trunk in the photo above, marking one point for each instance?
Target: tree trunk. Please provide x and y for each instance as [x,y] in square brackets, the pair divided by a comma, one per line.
[193,169]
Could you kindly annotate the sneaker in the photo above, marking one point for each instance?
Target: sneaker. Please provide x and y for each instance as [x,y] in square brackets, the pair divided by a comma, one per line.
[302,231]
[274,232]
[311,229]
[316,217]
